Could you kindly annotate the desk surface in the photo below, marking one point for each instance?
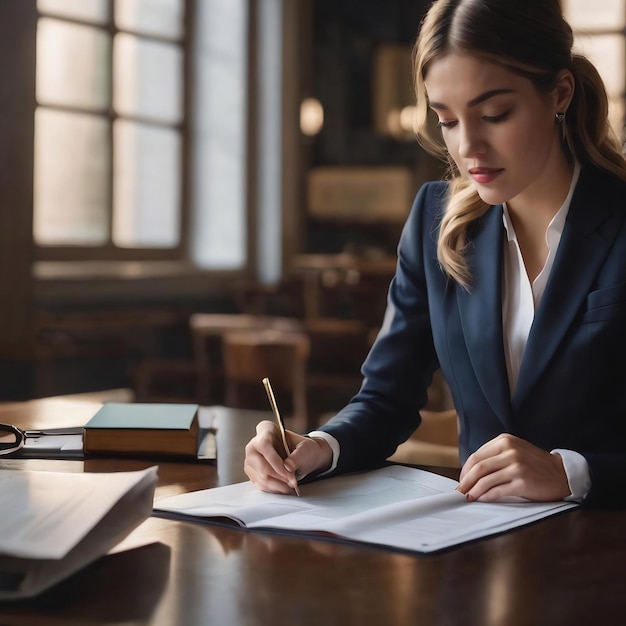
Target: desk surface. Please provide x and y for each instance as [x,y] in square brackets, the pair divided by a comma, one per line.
[567,569]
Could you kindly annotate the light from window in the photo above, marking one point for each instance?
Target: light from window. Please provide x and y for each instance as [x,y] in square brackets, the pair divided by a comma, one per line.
[71,178]
[599,34]
[148,79]
[160,18]
[72,65]
[108,127]
[595,14]
[147,186]
[219,233]
[95,11]
[606,52]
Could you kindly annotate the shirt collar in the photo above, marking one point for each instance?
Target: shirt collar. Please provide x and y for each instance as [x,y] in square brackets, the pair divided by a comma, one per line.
[557,222]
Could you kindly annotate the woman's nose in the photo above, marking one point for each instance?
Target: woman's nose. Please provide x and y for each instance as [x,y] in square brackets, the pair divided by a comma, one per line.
[471,143]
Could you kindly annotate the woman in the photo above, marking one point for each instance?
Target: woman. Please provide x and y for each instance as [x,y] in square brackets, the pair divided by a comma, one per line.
[511,276]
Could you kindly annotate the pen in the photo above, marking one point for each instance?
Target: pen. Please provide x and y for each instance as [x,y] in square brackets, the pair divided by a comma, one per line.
[279,420]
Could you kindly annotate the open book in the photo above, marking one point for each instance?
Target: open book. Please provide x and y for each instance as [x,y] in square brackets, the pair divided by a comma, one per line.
[398,507]
[53,524]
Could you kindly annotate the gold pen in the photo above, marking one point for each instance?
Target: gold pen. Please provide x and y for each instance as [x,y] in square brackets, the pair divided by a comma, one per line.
[279,420]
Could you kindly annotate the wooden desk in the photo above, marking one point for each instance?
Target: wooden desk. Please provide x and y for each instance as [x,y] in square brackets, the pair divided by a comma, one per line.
[568,569]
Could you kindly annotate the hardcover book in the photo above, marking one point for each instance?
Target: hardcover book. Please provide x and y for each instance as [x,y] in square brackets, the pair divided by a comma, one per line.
[144,429]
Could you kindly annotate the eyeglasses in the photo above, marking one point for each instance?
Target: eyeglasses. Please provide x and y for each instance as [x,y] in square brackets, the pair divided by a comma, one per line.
[12,438]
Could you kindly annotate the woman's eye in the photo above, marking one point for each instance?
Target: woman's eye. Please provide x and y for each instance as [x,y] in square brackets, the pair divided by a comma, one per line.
[497,118]
[444,124]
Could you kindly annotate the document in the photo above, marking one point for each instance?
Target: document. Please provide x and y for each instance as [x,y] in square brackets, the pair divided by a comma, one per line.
[397,507]
[53,524]
[62,443]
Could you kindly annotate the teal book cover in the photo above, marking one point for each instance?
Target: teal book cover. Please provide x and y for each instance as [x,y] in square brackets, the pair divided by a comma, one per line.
[143,429]
[138,415]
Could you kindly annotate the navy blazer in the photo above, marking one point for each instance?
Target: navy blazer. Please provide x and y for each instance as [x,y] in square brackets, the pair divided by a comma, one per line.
[571,391]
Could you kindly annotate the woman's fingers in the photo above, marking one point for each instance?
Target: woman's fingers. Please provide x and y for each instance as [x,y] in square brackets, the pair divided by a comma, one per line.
[268,482]
[264,464]
[309,455]
[510,466]
[269,469]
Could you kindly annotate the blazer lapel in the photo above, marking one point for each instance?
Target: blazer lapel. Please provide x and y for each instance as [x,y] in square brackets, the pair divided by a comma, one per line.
[587,237]
[481,314]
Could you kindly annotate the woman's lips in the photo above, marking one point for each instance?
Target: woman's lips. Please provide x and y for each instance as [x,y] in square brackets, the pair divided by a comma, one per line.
[485,175]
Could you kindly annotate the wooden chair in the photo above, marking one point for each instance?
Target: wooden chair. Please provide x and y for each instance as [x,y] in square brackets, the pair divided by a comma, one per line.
[207,333]
[338,347]
[279,355]
[207,325]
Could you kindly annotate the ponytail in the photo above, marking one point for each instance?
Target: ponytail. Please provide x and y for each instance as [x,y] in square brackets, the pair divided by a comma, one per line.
[588,134]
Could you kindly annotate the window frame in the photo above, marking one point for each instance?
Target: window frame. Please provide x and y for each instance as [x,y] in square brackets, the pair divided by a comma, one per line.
[59,276]
[109,252]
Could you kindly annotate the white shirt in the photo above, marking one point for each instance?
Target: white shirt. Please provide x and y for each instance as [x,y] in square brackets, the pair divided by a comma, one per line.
[520,299]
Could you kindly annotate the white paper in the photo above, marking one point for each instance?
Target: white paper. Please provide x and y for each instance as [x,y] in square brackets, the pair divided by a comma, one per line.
[126,501]
[45,514]
[56,443]
[396,506]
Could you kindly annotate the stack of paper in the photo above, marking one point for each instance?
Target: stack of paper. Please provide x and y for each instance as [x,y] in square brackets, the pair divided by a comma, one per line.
[53,524]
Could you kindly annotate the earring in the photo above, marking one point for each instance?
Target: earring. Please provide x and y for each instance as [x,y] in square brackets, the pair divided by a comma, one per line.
[559,117]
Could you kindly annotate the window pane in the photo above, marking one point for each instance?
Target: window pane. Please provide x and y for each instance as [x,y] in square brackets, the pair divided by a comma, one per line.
[219,234]
[148,79]
[151,17]
[96,11]
[71,199]
[72,65]
[595,14]
[147,183]
[606,52]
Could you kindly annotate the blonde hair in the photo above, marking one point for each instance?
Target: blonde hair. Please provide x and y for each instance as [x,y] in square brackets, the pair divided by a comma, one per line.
[532,39]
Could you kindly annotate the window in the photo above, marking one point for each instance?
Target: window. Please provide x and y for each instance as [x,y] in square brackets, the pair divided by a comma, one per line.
[600,34]
[222,148]
[111,124]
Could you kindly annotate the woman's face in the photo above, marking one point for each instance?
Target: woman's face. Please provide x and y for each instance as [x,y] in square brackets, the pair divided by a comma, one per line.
[499,129]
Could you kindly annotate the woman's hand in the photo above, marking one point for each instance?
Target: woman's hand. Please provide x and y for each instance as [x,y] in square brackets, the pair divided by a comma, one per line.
[510,466]
[266,466]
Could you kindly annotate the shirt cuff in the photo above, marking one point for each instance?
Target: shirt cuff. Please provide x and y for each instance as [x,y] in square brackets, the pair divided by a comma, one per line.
[334,446]
[577,472]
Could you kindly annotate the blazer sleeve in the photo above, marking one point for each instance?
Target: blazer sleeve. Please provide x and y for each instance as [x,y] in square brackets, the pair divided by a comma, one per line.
[400,364]
[607,480]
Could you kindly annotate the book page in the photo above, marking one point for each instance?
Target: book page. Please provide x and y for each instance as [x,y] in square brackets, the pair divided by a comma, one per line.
[394,506]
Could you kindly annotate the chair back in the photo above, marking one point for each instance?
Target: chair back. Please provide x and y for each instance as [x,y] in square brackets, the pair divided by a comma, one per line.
[278,355]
